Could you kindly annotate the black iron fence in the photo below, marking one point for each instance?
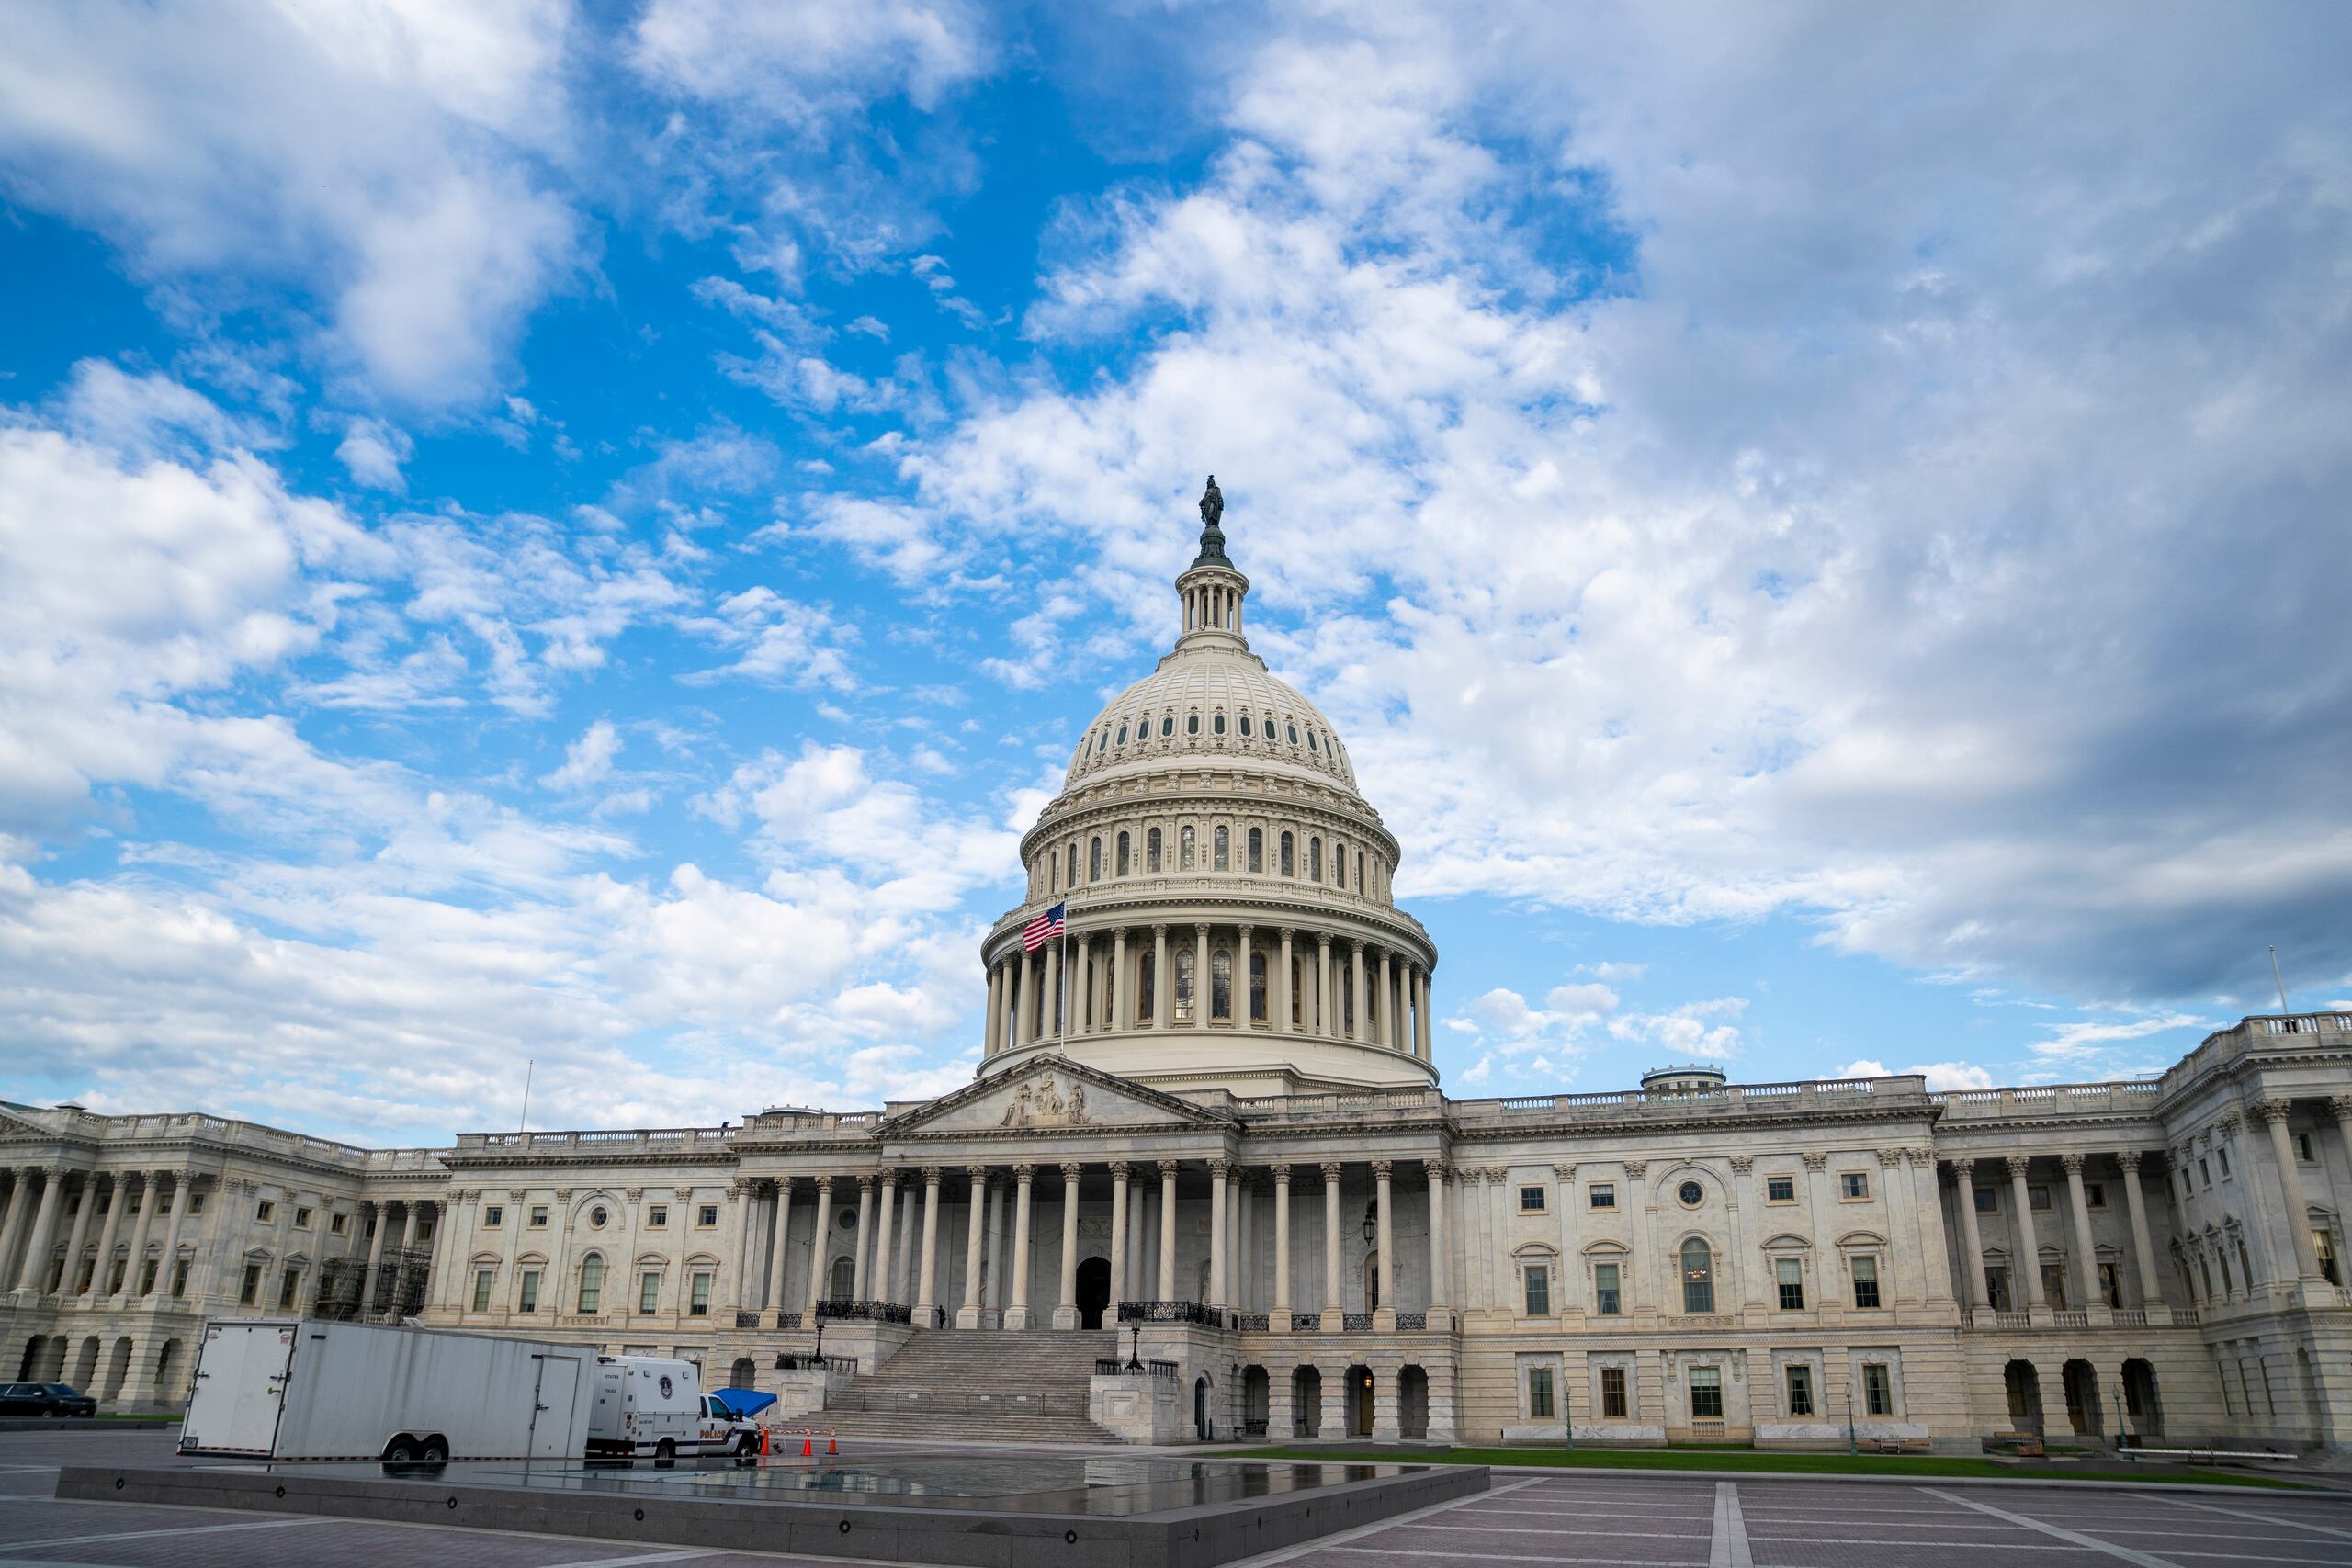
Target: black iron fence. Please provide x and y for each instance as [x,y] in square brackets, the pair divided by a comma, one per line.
[1172,1311]
[1306,1323]
[1112,1367]
[863,1312]
[1412,1322]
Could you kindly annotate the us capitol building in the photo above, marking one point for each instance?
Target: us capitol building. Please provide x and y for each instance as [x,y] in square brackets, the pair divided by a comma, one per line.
[1209,1114]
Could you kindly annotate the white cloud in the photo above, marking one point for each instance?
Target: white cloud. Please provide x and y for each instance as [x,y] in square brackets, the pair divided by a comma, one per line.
[804,61]
[1941,1076]
[373,452]
[587,760]
[774,639]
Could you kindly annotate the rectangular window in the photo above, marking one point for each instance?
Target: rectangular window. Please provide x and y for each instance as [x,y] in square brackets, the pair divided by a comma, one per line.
[288,1283]
[114,1280]
[1539,1290]
[265,1212]
[1789,1272]
[2303,1150]
[1780,1189]
[1604,1290]
[1878,1389]
[179,1278]
[1707,1394]
[1538,1392]
[2223,1156]
[657,1216]
[1531,1199]
[1865,1272]
[1601,1194]
[492,1215]
[2110,1286]
[1854,1185]
[2205,1173]
[481,1290]
[529,1300]
[1997,1286]
[649,1292]
[2324,1243]
[1612,1392]
[2053,1286]
[707,1215]
[1800,1391]
[338,1224]
[2095,1194]
[1988,1201]
[301,1219]
[700,1302]
[147,1277]
[2038,1196]
[539,1216]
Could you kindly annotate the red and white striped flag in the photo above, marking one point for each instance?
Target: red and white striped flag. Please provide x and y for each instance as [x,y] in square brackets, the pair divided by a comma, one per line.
[1044,929]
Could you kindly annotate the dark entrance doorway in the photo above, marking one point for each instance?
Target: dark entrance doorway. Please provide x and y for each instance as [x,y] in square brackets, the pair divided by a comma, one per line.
[1359,1402]
[1094,1292]
[1201,1411]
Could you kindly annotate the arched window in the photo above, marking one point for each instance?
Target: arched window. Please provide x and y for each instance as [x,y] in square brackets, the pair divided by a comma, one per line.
[1192,724]
[1338,863]
[1221,984]
[592,1282]
[1245,727]
[1102,741]
[1095,859]
[1288,869]
[845,1280]
[1152,851]
[1167,725]
[1258,988]
[1698,1277]
[1293,733]
[1185,849]
[1222,852]
[1216,722]
[1123,854]
[1073,863]
[1313,860]
[1123,734]
[1257,850]
[1311,744]
[1183,984]
[1146,984]
[1299,973]
[1053,873]
[1360,886]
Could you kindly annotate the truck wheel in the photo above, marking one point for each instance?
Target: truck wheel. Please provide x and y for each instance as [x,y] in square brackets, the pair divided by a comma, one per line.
[399,1452]
[747,1444]
[665,1453]
[434,1451]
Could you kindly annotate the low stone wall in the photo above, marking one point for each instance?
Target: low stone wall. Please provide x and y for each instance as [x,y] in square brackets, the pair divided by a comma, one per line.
[1139,1409]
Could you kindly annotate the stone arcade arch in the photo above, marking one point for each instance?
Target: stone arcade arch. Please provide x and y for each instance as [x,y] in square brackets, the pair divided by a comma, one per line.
[2023,1385]
[1306,1402]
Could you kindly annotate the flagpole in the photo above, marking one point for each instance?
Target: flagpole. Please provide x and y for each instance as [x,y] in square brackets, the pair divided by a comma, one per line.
[1062,1003]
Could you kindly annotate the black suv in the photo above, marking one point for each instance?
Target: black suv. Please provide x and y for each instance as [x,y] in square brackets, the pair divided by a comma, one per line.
[45,1399]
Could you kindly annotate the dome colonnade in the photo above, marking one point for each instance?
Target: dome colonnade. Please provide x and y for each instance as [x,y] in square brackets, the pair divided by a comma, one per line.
[1227,889]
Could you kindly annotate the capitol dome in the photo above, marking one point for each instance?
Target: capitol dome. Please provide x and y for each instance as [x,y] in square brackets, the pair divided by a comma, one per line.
[1229,922]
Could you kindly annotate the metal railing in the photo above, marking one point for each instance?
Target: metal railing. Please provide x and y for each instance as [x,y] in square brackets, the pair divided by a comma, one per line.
[1412,1322]
[1355,1322]
[1306,1323]
[1112,1367]
[747,1319]
[1172,1311]
[863,1312]
[1248,1322]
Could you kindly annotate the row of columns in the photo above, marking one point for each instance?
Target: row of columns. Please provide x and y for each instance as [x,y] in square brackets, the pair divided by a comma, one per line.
[2028,1264]
[1027,992]
[33,1220]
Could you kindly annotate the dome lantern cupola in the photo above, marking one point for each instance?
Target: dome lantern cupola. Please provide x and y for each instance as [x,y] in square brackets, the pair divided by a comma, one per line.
[1211,589]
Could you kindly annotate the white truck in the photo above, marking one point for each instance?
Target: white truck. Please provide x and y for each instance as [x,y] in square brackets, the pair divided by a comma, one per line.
[304,1389]
[652,1405]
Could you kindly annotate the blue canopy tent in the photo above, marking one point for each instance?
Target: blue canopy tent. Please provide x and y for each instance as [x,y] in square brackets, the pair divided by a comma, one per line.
[742,1403]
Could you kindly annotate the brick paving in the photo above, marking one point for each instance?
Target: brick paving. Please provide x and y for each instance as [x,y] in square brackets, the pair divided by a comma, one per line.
[1609,1520]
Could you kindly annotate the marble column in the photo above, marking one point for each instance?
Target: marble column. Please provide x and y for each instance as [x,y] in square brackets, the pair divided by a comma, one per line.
[2143,1254]
[1081,988]
[1243,1275]
[2297,1209]
[776,1253]
[2029,1246]
[1386,1030]
[1120,1169]
[82,1213]
[1279,995]
[1220,1173]
[1066,1305]
[1245,995]
[975,1232]
[994,1033]
[1441,1303]
[1358,993]
[106,1235]
[1280,1322]
[1163,985]
[860,1253]
[820,1249]
[927,1280]
[20,1204]
[1116,987]
[1166,1282]
[1025,1001]
[2085,1245]
[1000,1215]
[1334,1298]
[1384,1317]
[382,1223]
[902,1238]
[181,1186]
[1016,1314]
[151,1193]
[1322,1010]
[1202,999]
[33,1272]
[1422,1011]
[747,1280]
[1972,1264]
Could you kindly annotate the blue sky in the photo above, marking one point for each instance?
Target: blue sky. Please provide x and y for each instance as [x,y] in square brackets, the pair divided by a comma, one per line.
[583,533]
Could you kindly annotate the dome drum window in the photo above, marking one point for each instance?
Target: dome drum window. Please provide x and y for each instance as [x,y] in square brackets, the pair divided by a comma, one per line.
[1122,735]
[1216,722]
[1167,725]
[1245,727]
[1192,724]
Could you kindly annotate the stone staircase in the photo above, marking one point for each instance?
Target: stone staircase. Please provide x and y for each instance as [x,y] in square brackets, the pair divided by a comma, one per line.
[980,1386]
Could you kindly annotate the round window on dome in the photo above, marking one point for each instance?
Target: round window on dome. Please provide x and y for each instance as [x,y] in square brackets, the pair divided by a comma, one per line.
[1167,725]
[1122,735]
[1293,734]
[1217,723]
[1192,724]
[1691,1194]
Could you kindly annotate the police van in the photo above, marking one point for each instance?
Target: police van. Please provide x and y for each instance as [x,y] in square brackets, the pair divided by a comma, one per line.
[652,1407]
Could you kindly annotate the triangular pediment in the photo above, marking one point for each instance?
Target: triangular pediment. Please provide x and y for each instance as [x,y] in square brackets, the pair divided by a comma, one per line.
[1052,1093]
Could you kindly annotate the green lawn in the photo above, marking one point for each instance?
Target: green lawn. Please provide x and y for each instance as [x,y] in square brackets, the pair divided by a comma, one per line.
[1925,1466]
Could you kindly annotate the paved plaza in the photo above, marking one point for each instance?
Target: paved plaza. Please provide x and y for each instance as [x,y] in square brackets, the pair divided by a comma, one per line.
[1586,1521]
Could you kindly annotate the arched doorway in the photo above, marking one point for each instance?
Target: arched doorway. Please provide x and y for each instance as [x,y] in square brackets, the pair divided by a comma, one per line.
[2024,1387]
[744,1373]
[31,1362]
[1413,1402]
[1306,1402]
[1359,1402]
[1257,1400]
[86,1365]
[118,1369]
[2141,1406]
[2080,1381]
[166,1368]
[1372,1281]
[1094,1292]
[1201,1428]
[844,1282]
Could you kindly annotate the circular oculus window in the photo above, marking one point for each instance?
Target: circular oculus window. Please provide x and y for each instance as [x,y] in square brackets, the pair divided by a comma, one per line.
[596,1218]
[1691,1194]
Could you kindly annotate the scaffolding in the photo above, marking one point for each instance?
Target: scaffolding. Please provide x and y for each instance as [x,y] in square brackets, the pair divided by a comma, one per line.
[400,1277]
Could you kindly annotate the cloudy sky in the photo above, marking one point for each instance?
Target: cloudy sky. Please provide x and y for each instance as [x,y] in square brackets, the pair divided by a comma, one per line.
[583,533]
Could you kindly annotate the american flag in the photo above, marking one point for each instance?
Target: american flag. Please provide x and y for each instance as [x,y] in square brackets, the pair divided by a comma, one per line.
[1044,929]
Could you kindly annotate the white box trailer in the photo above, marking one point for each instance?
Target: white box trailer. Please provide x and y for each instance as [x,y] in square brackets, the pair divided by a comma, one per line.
[304,1389]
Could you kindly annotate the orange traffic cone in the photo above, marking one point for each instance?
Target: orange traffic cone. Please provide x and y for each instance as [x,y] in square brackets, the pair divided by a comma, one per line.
[831,1447]
[808,1447]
